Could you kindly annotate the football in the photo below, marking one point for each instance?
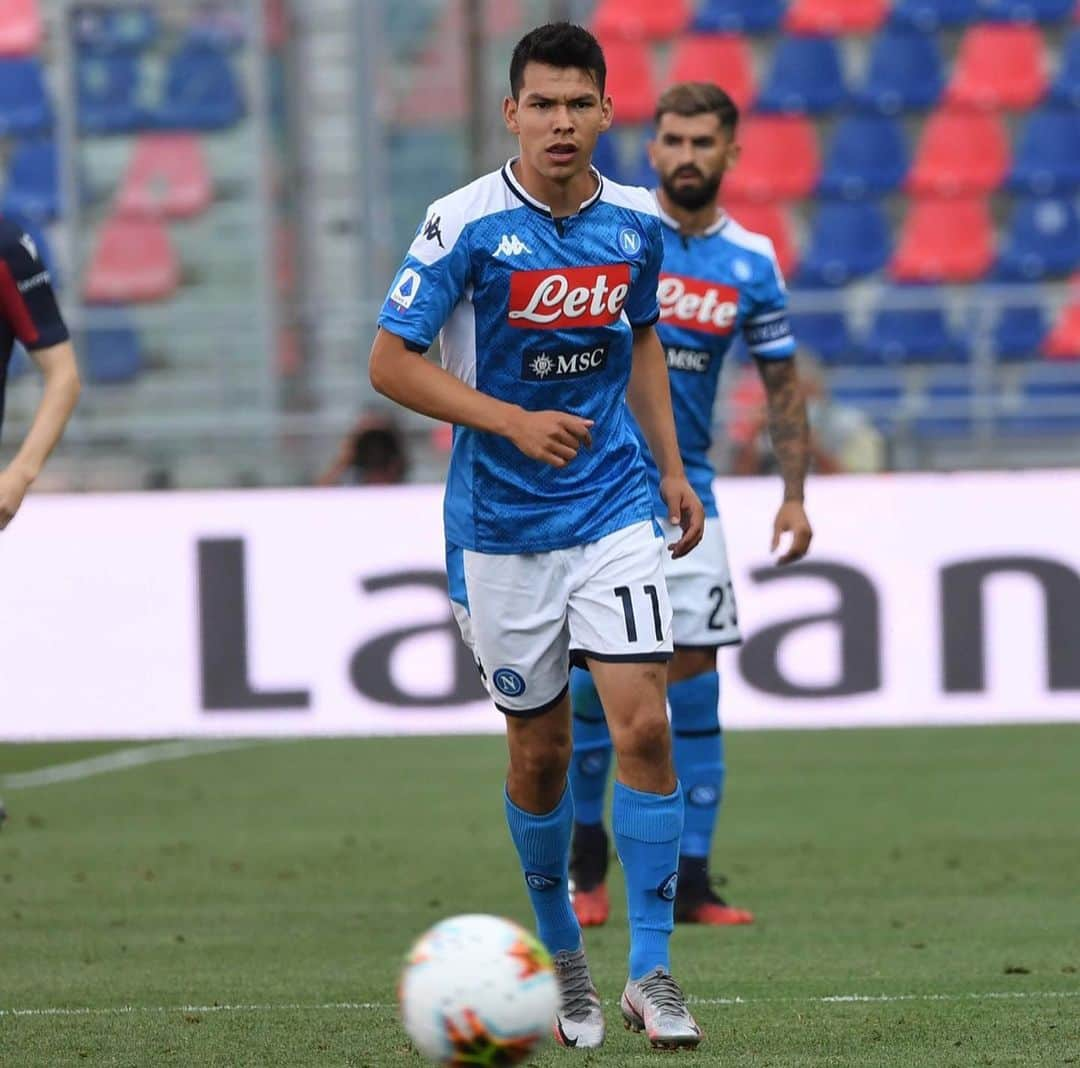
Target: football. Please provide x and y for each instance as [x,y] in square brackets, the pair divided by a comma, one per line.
[478,990]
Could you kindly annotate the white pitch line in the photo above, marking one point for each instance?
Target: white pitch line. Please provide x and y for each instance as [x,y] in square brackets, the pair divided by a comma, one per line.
[353,1006]
[119,760]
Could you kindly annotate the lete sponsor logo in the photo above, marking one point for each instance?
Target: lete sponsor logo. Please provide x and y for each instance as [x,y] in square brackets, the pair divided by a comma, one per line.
[697,304]
[570,298]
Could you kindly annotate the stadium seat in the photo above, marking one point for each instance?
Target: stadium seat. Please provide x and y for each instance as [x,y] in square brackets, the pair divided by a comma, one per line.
[999,67]
[130,30]
[928,15]
[20,28]
[1050,404]
[805,76]
[113,352]
[630,79]
[905,71]
[109,93]
[944,240]
[722,58]
[1063,342]
[946,409]
[1019,332]
[1025,10]
[826,335]
[606,157]
[849,239]
[167,176]
[640,18]
[33,187]
[960,152]
[1066,87]
[1048,155]
[868,156]
[880,395]
[773,221]
[835,16]
[913,332]
[202,91]
[1043,240]
[133,261]
[24,103]
[738,16]
[779,160]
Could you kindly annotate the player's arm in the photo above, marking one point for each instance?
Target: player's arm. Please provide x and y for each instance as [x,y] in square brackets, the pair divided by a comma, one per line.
[407,377]
[789,431]
[649,396]
[58,399]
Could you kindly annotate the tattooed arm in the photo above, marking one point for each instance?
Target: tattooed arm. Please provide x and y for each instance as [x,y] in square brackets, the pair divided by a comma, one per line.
[790,434]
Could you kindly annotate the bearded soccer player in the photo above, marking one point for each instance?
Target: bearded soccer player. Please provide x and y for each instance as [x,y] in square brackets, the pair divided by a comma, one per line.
[29,313]
[542,278]
[717,278]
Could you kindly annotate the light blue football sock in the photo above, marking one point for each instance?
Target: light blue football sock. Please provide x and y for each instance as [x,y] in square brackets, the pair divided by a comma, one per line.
[698,752]
[543,845]
[647,829]
[592,749]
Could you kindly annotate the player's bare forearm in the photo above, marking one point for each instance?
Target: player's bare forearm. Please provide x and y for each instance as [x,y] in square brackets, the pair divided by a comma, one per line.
[58,400]
[788,425]
[649,396]
[411,380]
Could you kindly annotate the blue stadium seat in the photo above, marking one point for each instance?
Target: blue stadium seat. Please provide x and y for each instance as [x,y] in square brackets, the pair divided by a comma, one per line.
[946,409]
[1019,333]
[33,187]
[1025,10]
[849,239]
[1047,160]
[806,76]
[879,394]
[113,352]
[606,157]
[733,16]
[202,91]
[905,71]
[905,334]
[129,30]
[1043,240]
[868,156]
[934,14]
[109,93]
[1050,403]
[1066,87]
[825,334]
[24,103]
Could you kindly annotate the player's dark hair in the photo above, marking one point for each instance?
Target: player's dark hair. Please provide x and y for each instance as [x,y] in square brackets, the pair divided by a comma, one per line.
[558,44]
[699,98]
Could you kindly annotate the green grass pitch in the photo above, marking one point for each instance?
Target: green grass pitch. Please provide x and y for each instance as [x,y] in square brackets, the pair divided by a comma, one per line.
[251,907]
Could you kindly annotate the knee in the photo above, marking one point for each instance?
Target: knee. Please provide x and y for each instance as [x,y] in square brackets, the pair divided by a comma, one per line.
[646,736]
[543,762]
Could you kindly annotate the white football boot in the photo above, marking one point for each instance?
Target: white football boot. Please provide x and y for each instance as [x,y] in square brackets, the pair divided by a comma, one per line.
[656,1005]
[579,1023]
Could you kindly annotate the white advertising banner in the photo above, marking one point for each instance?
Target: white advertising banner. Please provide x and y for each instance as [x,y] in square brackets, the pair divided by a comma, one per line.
[928,599]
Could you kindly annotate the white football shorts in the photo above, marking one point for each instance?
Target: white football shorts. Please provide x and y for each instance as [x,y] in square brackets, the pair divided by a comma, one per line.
[699,585]
[527,617]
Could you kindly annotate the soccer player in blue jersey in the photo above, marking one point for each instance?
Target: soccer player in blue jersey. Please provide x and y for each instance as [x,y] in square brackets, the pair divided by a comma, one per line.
[29,313]
[717,279]
[542,278]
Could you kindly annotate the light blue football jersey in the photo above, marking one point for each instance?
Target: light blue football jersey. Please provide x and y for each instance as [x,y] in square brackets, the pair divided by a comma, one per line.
[538,312]
[712,285]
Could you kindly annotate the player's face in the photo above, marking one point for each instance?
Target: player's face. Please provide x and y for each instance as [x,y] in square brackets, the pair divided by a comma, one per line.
[557,118]
[691,154]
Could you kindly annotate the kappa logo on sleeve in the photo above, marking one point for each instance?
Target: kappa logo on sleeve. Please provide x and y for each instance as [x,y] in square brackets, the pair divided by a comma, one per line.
[432,229]
[30,245]
[404,293]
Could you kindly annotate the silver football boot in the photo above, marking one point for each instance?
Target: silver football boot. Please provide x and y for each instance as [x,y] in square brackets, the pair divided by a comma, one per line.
[579,1023]
[656,1005]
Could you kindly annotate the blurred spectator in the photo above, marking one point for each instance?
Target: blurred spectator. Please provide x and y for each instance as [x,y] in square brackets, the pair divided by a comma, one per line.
[373,453]
[842,438]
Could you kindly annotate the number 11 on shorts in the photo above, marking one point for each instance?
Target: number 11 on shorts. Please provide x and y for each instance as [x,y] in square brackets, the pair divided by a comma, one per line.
[623,593]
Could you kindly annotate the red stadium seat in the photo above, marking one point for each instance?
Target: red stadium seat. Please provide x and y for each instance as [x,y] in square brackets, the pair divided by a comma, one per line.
[167,176]
[1063,341]
[723,58]
[999,66]
[133,261]
[641,18]
[20,28]
[960,152]
[945,240]
[780,159]
[630,80]
[773,221]
[835,16]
